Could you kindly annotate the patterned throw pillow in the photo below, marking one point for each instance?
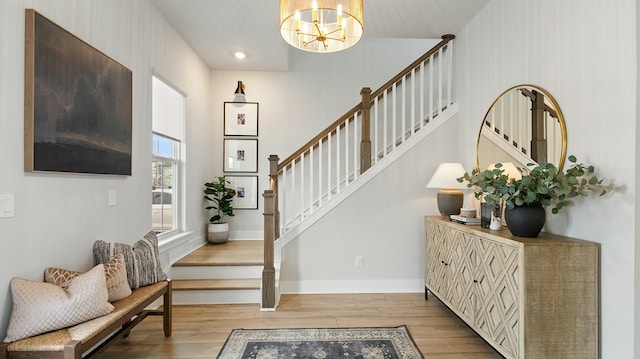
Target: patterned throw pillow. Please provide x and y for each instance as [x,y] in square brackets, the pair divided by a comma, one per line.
[141,259]
[40,307]
[114,270]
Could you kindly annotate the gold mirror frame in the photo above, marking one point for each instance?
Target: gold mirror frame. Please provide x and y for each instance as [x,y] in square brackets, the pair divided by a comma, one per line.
[547,108]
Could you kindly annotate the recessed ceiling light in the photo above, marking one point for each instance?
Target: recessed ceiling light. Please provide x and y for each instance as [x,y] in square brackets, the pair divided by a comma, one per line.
[239,55]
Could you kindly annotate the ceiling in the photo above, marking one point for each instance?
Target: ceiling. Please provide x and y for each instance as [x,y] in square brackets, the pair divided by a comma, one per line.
[216,29]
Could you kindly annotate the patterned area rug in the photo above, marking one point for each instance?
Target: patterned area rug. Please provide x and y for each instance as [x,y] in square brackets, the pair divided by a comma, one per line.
[345,343]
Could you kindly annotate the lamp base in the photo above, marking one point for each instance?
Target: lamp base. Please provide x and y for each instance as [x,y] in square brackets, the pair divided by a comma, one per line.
[449,201]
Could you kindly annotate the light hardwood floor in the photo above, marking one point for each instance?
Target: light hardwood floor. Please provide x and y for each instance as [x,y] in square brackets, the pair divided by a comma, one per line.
[200,331]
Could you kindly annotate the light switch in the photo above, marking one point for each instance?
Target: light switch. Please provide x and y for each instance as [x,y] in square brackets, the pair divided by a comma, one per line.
[6,205]
[112,197]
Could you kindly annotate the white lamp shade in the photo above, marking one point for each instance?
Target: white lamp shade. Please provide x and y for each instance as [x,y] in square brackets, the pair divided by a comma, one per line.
[446,176]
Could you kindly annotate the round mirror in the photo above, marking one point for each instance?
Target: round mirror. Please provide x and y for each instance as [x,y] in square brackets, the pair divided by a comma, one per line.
[523,125]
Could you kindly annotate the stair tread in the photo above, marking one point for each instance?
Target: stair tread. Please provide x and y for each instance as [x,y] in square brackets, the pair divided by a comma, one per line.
[216,284]
[231,253]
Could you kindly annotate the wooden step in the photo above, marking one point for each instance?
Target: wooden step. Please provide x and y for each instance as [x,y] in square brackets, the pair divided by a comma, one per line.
[232,253]
[216,284]
[220,274]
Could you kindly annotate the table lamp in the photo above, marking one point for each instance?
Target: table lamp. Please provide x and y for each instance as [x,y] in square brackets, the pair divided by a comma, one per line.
[450,198]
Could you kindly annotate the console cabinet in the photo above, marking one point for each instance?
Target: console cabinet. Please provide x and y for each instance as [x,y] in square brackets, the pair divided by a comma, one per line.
[527,297]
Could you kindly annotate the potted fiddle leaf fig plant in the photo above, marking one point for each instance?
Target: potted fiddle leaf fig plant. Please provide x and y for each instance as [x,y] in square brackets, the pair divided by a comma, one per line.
[543,185]
[220,196]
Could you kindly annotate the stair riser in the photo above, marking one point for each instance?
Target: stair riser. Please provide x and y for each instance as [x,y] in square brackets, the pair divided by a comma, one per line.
[216,272]
[243,296]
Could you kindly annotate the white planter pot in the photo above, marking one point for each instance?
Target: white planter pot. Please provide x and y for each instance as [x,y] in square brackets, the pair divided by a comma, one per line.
[218,233]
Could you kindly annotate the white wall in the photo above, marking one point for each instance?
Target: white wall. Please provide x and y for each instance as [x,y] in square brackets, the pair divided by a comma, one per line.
[59,216]
[584,53]
[383,222]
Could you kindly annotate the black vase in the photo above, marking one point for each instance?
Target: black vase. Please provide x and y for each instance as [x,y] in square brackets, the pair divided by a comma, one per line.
[525,221]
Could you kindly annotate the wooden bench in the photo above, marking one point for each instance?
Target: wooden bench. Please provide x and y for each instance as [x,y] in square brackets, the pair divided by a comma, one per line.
[89,338]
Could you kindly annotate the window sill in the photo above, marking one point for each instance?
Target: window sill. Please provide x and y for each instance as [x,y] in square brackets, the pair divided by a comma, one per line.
[172,240]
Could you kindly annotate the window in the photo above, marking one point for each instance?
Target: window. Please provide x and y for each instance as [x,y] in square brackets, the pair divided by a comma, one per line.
[168,117]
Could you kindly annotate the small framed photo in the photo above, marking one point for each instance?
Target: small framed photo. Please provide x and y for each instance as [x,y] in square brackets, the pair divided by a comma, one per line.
[240,155]
[241,119]
[246,191]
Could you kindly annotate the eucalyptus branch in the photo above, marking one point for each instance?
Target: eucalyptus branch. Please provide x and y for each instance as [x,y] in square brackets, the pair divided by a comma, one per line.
[544,184]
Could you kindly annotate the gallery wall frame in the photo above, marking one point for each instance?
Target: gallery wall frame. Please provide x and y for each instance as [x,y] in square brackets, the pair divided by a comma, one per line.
[246,191]
[240,119]
[78,104]
[240,155]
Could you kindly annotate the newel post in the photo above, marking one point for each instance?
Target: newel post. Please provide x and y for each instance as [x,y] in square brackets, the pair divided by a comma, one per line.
[538,133]
[273,185]
[269,272]
[365,143]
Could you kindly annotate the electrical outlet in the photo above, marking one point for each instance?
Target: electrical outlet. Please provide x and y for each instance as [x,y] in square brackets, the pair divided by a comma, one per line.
[359,261]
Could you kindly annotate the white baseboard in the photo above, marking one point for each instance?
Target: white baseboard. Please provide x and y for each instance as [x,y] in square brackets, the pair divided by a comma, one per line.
[246,235]
[194,297]
[352,286]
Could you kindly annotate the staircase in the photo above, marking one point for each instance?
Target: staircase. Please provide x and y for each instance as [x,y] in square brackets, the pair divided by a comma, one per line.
[316,178]
[219,274]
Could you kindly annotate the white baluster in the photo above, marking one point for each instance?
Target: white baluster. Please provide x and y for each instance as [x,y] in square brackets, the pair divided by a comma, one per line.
[311,178]
[337,159]
[404,109]
[329,157]
[440,90]
[356,147]
[302,180]
[513,130]
[346,152]
[376,139]
[293,191]
[412,122]
[385,120]
[431,90]
[395,116]
[320,173]
[421,94]
[450,73]
[282,193]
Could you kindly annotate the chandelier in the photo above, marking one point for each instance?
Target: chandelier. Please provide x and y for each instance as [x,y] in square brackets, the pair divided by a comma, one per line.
[322,25]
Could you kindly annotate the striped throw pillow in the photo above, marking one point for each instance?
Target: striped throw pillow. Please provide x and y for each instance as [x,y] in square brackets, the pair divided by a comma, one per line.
[141,259]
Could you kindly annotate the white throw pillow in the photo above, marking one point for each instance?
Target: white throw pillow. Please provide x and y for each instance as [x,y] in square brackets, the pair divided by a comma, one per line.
[40,307]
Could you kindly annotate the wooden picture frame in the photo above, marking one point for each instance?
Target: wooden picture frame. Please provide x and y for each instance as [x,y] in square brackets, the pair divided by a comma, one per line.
[78,104]
[240,155]
[246,191]
[240,119]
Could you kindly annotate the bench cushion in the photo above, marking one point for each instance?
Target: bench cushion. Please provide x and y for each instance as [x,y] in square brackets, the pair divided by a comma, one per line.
[56,341]
[40,307]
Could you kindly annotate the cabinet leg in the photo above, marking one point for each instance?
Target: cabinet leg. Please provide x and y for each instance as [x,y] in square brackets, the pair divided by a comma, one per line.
[426,294]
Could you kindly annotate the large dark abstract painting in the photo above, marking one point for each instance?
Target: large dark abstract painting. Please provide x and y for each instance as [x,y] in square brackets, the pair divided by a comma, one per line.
[77,104]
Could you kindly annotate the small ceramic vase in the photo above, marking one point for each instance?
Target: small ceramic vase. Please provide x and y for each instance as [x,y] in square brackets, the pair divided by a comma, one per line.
[496,223]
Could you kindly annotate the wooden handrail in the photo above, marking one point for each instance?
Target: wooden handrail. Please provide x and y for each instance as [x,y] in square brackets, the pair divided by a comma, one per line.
[340,122]
[401,74]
